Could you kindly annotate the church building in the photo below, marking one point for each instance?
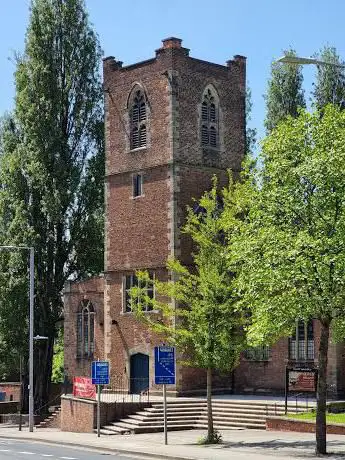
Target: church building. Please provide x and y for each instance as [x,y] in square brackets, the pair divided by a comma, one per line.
[172,122]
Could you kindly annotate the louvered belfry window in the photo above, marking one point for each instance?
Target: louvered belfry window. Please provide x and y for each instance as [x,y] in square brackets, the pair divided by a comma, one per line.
[138,120]
[209,120]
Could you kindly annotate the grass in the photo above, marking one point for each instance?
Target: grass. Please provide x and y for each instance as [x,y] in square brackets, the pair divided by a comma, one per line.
[330,418]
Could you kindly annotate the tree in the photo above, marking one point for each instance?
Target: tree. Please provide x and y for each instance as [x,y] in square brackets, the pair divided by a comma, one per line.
[292,241]
[250,132]
[50,172]
[284,93]
[330,81]
[205,324]
[58,359]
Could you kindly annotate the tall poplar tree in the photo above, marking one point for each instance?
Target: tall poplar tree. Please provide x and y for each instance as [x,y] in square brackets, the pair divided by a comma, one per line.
[284,93]
[52,172]
[330,80]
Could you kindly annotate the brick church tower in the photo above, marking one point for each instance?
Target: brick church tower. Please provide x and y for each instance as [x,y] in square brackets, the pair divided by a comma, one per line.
[171,123]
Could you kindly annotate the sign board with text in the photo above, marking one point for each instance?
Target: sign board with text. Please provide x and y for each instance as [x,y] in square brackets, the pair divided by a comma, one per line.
[302,380]
[165,365]
[100,372]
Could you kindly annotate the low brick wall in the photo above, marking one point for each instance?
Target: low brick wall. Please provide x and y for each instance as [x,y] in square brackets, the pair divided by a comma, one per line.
[77,415]
[12,390]
[80,415]
[9,407]
[288,424]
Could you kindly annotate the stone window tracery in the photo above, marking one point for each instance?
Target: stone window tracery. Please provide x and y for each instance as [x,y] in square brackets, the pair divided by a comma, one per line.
[85,330]
[209,119]
[138,120]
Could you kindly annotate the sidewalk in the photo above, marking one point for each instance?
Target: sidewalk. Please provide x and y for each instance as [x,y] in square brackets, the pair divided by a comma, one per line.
[237,444]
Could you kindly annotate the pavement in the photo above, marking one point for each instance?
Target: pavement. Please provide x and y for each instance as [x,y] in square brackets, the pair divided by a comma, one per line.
[182,445]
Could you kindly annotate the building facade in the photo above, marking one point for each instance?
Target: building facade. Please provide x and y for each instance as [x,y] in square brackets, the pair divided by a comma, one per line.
[171,123]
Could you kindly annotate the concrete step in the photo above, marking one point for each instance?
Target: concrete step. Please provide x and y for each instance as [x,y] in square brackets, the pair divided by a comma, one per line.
[232,420]
[231,426]
[113,429]
[158,422]
[160,418]
[230,403]
[160,428]
[159,413]
[105,432]
[189,414]
[177,408]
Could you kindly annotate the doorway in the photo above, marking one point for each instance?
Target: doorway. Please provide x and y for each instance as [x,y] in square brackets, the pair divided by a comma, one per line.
[139,380]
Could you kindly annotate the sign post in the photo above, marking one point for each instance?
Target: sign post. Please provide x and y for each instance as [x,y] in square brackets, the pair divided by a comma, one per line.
[300,380]
[165,370]
[100,376]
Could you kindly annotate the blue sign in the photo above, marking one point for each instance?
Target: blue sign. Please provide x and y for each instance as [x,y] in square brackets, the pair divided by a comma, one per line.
[100,372]
[165,365]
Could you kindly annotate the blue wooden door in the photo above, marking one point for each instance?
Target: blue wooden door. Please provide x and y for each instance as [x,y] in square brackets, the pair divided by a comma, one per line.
[139,373]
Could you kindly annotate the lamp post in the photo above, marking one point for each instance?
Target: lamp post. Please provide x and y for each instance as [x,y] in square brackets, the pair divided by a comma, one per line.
[305,61]
[31,329]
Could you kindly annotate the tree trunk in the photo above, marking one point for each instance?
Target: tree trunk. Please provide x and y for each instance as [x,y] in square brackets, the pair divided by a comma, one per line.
[209,404]
[320,428]
[43,369]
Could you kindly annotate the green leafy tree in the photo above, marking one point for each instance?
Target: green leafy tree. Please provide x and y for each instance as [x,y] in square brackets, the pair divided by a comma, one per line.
[251,133]
[58,359]
[330,81]
[292,241]
[203,321]
[284,93]
[51,170]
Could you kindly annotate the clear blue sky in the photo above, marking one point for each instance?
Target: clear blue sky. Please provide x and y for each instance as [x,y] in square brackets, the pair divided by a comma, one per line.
[215,30]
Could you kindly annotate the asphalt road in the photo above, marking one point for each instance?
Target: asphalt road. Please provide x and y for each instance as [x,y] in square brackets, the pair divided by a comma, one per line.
[12,450]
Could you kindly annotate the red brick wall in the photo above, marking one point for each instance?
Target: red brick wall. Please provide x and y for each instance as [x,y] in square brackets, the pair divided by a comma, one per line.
[137,228]
[74,293]
[12,390]
[77,415]
[251,376]
[80,415]
[285,424]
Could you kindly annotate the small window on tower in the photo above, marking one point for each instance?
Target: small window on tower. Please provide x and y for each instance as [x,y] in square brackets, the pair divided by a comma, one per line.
[137,185]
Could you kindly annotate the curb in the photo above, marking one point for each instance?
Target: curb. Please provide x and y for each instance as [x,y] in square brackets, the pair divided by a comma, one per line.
[99,449]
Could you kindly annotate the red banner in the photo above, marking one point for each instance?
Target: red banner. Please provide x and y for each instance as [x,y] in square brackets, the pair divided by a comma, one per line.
[83,388]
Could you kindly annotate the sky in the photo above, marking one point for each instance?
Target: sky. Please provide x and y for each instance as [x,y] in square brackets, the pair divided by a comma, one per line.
[131,30]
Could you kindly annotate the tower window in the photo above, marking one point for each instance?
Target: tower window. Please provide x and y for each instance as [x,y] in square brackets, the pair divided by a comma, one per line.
[138,121]
[137,185]
[209,120]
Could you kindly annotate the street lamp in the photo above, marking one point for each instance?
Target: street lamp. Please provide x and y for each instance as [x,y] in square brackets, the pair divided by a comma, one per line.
[305,61]
[31,330]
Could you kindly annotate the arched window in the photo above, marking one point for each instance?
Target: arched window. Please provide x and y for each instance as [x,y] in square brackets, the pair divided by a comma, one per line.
[85,330]
[138,120]
[301,343]
[209,119]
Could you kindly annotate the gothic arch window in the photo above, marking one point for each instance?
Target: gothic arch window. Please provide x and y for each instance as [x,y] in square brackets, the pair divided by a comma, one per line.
[301,343]
[85,330]
[138,119]
[210,119]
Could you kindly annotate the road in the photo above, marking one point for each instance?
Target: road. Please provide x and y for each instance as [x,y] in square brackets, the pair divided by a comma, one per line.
[12,449]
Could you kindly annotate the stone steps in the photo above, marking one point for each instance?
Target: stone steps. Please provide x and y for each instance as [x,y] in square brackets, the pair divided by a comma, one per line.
[52,421]
[189,414]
